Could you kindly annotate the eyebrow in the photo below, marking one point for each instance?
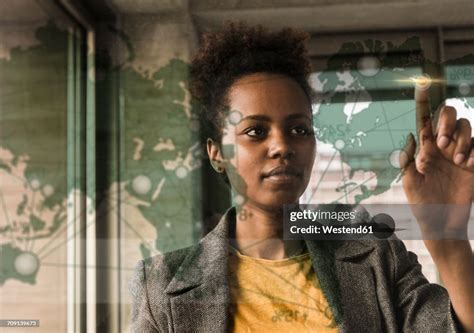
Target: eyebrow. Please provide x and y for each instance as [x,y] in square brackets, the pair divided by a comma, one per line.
[266,118]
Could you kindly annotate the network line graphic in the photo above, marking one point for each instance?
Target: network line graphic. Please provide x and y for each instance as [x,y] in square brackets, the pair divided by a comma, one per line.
[363,113]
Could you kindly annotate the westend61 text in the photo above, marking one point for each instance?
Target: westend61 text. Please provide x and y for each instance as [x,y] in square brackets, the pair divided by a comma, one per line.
[333,230]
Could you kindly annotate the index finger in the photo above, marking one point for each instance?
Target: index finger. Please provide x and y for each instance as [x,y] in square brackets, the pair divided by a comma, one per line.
[423,114]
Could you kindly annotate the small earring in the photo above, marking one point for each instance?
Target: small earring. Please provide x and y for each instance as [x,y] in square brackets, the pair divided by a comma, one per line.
[217,168]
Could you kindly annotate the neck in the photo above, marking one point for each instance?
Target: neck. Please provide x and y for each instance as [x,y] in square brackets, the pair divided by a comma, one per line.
[259,234]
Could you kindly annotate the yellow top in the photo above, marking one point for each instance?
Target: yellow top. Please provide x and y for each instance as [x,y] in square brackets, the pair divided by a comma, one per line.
[278,296]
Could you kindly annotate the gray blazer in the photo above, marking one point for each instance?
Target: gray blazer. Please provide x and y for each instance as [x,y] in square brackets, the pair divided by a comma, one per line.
[371,286]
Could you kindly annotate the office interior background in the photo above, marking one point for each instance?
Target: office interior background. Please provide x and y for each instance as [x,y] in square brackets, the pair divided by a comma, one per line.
[100,156]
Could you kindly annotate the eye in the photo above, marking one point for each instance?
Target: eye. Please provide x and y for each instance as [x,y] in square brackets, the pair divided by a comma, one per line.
[301,131]
[256,132]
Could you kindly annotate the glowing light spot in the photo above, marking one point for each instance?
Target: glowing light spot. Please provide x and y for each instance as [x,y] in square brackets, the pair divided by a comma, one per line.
[181,172]
[396,157]
[339,144]
[48,190]
[235,117]
[239,199]
[26,263]
[464,88]
[422,82]
[141,184]
[35,184]
[368,66]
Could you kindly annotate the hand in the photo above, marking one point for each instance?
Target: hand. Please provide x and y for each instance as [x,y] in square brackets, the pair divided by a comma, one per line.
[439,181]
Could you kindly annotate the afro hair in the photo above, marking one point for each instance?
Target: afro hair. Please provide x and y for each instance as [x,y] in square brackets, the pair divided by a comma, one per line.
[238,50]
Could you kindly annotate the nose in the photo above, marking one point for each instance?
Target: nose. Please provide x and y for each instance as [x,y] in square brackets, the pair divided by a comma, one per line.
[280,146]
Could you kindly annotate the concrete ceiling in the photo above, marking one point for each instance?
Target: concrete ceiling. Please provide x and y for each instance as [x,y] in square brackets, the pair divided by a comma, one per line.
[336,15]
[154,6]
[312,15]
[206,5]
[147,6]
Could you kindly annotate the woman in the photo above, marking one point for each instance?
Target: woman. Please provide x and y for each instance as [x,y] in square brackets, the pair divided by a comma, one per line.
[243,276]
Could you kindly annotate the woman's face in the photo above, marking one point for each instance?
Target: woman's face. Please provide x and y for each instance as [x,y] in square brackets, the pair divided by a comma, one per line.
[268,145]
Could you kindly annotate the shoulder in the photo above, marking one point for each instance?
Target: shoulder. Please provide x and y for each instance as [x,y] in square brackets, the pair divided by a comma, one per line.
[389,257]
[371,248]
[396,254]
[389,248]
[150,278]
[158,271]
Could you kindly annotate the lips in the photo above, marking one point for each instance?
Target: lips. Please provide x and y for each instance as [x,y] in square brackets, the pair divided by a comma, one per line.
[282,172]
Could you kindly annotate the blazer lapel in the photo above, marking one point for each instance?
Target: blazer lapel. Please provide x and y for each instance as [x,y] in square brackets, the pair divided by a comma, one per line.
[349,287]
[199,293]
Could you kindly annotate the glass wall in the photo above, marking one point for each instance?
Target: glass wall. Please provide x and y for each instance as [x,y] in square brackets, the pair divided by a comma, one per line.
[364,110]
[80,204]
[43,199]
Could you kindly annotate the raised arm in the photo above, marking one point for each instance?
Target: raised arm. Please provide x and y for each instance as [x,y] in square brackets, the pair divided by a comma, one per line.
[438,180]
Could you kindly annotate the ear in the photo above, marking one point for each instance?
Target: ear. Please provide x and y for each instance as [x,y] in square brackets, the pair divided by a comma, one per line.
[214,153]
